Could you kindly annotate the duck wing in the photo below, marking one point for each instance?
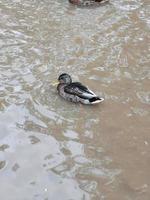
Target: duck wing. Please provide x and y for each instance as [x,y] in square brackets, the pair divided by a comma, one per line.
[80,90]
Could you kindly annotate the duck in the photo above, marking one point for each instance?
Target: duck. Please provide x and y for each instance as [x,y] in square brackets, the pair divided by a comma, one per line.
[75,91]
[88,2]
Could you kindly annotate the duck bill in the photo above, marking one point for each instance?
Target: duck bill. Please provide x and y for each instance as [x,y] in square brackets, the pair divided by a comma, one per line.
[55,83]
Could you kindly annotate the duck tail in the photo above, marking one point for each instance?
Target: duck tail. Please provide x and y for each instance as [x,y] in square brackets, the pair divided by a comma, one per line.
[95,100]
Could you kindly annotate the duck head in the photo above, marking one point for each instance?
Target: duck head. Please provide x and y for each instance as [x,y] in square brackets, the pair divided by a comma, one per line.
[65,78]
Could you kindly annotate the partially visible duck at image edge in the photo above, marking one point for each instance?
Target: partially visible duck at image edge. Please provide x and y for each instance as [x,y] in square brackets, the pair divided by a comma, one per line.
[88,2]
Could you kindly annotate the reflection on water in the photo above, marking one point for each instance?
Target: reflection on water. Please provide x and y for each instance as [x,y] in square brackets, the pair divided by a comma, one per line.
[52,149]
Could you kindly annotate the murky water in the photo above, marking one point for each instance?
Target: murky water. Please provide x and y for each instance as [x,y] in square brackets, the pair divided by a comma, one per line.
[54,150]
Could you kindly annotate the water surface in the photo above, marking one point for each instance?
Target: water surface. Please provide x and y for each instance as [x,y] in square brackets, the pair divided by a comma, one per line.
[51,149]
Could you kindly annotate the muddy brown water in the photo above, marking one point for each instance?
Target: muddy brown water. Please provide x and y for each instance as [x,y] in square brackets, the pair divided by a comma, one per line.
[54,150]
